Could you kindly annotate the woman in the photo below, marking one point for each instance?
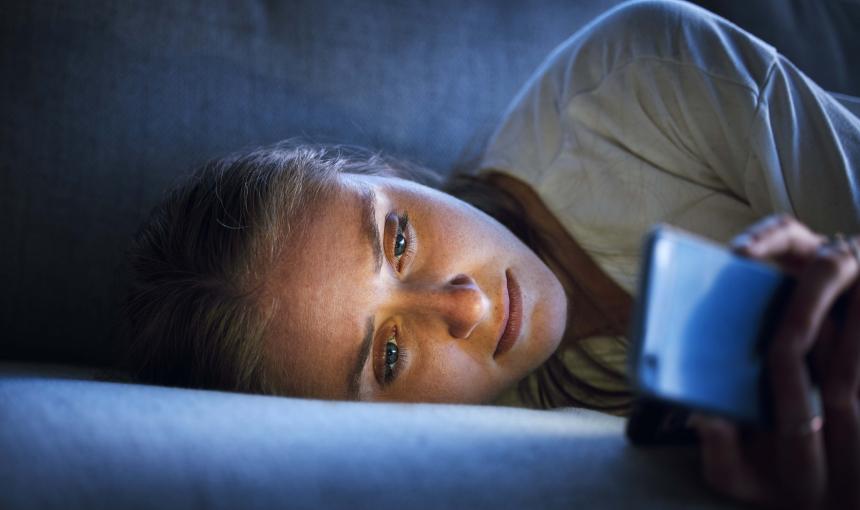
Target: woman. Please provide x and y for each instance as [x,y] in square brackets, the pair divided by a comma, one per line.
[320,272]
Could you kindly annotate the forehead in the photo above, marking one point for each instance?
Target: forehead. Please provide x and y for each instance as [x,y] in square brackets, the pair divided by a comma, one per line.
[321,284]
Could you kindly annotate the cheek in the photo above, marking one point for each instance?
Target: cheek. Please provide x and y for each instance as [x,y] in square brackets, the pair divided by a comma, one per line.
[470,228]
[455,223]
[451,374]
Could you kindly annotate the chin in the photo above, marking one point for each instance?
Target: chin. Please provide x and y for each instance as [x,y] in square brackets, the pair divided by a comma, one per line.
[545,346]
[549,318]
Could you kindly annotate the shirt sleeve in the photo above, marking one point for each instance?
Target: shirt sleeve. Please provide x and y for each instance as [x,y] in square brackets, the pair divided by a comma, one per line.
[804,152]
[697,98]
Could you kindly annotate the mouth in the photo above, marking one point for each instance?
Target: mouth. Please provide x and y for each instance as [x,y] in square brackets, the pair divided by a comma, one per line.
[513,315]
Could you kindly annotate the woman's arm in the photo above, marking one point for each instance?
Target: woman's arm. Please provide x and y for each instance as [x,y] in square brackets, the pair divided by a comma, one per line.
[657,89]
[807,460]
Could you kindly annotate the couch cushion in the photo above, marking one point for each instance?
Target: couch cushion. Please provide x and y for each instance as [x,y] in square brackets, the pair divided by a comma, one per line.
[86,444]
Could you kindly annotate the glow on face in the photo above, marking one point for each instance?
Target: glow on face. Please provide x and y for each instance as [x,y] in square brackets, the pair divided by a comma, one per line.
[396,291]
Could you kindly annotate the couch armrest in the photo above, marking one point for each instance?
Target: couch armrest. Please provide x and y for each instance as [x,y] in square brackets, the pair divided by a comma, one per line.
[88,444]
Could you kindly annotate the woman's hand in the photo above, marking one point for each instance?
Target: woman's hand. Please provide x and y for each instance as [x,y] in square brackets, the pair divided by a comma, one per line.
[806,460]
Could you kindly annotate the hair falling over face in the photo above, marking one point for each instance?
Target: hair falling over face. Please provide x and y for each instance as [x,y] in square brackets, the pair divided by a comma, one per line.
[193,315]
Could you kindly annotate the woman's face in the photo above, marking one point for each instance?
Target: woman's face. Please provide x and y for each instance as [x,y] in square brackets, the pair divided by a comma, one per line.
[396,291]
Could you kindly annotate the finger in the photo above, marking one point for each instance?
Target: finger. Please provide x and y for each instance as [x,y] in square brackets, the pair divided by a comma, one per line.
[759,229]
[821,355]
[778,236]
[829,274]
[799,460]
[724,465]
[842,379]
[841,410]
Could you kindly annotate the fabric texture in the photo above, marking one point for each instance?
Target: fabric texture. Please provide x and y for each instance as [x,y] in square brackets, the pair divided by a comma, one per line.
[667,110]
[76,444]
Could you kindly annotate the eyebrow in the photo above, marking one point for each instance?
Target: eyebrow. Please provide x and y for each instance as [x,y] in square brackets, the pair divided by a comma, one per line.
[368,220]
[354,381]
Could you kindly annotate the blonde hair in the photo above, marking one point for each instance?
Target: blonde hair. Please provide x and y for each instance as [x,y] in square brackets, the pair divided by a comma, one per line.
[192,315]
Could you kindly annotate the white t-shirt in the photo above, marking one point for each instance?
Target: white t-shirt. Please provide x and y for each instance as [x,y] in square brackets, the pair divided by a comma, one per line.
[663,112]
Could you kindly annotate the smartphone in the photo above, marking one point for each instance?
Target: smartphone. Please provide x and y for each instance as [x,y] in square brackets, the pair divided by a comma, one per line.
[700,330]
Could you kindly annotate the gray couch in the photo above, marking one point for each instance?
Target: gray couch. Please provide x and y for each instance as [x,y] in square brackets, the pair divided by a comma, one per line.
[103,105]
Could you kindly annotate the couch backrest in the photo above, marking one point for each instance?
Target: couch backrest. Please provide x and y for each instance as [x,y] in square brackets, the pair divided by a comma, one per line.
[103,105]
[75,444]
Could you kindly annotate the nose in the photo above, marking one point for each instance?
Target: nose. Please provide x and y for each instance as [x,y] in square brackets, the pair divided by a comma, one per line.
[459,302]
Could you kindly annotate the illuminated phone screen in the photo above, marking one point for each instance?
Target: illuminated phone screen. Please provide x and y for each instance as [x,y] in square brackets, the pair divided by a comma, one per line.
[702,314]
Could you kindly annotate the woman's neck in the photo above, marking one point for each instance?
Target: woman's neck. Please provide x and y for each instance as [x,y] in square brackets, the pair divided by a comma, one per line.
[597,305]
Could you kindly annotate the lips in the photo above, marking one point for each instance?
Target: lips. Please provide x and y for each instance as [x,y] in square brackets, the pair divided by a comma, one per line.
[513,315]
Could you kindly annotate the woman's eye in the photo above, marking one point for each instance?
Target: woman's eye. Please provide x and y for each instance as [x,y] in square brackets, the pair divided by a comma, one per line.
[403,242]
[390,360]
[399,243]
[392,354]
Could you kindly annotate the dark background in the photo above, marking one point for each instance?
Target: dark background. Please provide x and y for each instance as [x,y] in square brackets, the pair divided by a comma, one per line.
[105,104]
